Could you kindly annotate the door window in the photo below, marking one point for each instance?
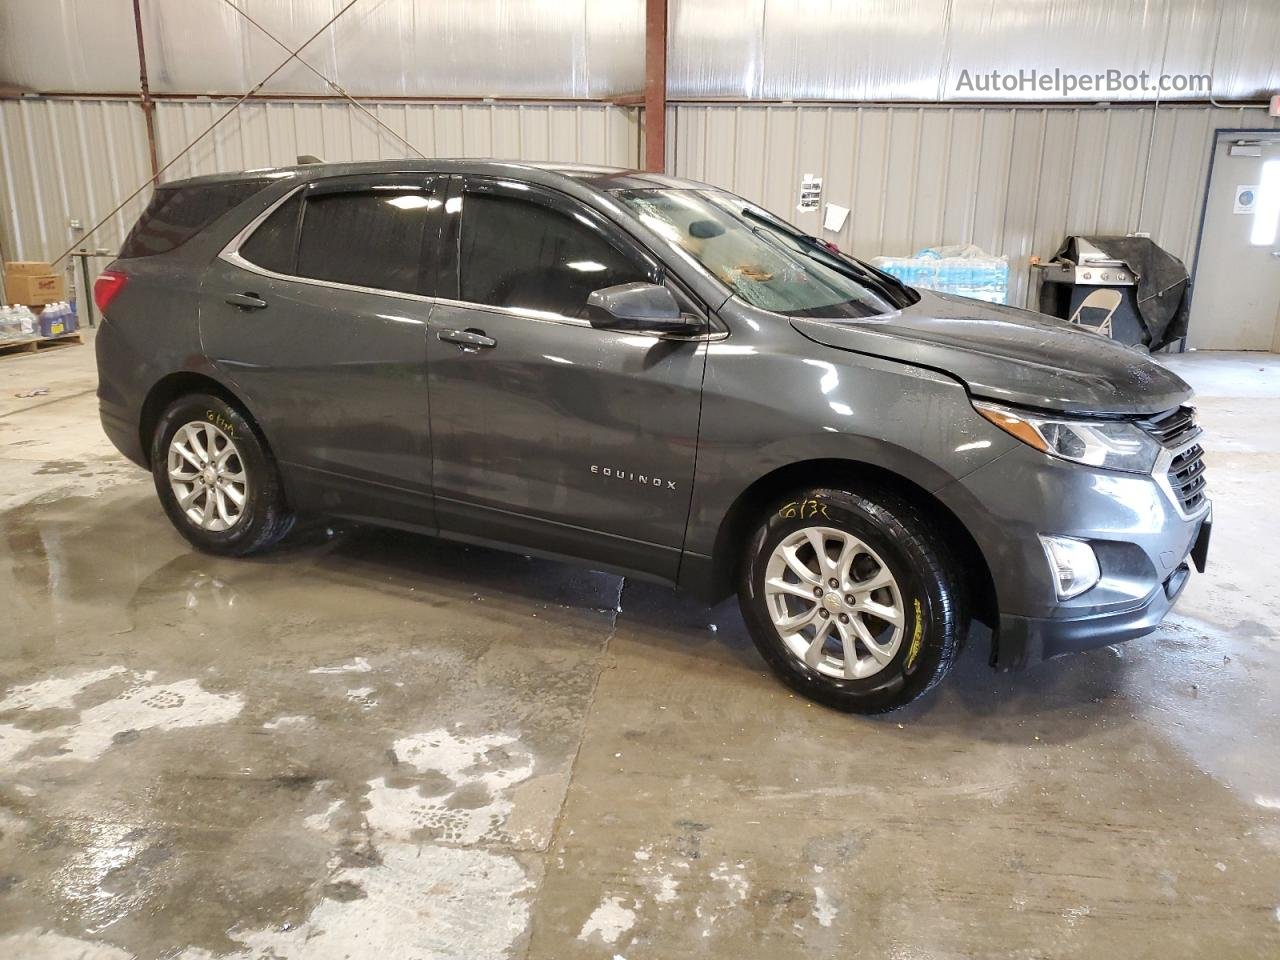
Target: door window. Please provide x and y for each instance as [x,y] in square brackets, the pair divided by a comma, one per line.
[518,253]
[366,238]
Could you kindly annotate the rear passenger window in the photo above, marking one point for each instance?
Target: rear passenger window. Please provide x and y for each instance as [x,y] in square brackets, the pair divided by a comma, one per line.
[176,214]
[275,242]
[516,253]
[370,238]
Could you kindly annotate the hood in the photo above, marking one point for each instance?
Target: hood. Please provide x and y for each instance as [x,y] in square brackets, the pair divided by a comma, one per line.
[1011,356]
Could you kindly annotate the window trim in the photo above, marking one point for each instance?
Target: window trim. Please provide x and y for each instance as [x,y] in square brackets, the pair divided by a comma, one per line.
[448,186]
[231,252]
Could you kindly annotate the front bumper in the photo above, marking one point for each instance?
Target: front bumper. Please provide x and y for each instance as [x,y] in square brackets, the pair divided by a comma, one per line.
[1142,540]
[1027,640]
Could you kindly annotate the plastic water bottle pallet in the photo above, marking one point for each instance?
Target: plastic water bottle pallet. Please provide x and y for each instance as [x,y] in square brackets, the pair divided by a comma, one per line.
[32,344]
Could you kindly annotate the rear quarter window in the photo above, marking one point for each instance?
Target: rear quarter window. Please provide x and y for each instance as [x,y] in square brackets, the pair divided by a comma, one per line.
[274,245]
[176,214]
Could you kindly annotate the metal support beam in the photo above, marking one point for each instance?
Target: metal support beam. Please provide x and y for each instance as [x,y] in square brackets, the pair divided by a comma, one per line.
[655,85]
[148,106]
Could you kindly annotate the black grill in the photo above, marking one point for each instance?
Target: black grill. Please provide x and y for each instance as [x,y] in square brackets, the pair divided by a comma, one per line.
[1186,476]
[1175,430]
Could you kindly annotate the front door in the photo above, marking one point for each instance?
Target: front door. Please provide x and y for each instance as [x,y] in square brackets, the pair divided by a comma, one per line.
[1235,304]
[320,319]
[546,431]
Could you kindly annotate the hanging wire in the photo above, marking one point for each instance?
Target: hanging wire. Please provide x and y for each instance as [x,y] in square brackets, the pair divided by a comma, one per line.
[204,133]
[337,88]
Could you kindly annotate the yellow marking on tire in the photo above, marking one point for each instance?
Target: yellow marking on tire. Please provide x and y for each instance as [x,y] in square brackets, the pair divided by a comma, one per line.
[916,637]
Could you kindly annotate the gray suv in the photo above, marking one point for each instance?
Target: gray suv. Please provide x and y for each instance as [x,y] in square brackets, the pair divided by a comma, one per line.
[655,377]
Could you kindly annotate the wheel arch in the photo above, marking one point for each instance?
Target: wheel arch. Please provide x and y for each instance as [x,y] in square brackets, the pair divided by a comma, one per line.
[742,516]
[174,385]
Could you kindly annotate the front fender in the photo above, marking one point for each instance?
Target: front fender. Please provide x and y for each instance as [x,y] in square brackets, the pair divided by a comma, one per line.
[768,410]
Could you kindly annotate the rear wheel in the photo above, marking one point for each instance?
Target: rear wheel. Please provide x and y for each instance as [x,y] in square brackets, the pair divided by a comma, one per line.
[851,599]
[215,477]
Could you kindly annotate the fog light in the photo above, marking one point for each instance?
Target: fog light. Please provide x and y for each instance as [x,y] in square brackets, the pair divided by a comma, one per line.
[1073,564]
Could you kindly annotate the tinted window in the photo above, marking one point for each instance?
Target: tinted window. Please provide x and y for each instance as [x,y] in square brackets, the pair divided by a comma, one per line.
[275,242]
[176,214]
[369,238]
[516,253]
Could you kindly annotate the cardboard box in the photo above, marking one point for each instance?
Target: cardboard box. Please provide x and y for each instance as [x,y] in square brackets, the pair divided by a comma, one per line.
[27,268]
[34,290]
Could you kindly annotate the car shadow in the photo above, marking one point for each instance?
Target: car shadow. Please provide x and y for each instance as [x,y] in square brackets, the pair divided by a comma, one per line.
[1074,692]
[1061,699]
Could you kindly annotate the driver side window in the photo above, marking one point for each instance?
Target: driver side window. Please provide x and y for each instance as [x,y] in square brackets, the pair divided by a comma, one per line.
[519,253]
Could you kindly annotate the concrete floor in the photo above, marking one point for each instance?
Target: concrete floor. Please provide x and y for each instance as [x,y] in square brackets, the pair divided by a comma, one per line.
[370,744]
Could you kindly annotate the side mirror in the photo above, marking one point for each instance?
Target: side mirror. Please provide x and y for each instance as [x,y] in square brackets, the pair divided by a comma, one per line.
[638,308]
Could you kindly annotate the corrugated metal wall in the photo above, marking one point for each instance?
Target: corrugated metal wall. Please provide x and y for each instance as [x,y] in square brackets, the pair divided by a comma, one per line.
[1013,180]
[67,158]
[64,158]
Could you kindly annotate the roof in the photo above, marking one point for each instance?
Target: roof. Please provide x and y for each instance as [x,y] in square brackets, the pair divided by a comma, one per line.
[594,177]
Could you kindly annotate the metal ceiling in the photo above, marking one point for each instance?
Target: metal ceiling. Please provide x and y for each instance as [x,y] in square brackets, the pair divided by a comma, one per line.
[917,49]
[592,49]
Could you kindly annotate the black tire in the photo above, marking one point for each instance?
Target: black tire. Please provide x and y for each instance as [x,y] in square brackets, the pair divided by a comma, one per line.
[928,582]
[265,517]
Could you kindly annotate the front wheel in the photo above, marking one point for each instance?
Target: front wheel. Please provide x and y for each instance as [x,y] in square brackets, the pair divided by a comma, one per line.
[215,478]
[851,599]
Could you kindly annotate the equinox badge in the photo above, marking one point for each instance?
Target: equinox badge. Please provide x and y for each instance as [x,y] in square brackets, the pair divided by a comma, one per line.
[618,474]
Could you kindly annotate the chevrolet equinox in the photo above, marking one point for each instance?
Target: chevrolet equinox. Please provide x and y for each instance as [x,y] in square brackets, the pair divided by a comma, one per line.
[655,377]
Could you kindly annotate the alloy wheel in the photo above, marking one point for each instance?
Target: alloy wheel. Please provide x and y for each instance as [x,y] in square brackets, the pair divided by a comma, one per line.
[835,603]
[207,476]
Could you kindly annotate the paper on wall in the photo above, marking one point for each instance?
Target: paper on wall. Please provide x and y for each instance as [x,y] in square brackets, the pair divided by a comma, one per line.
[810,193]
[834,218]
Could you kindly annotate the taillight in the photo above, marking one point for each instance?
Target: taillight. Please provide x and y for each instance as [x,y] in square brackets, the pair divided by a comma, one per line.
[105,288]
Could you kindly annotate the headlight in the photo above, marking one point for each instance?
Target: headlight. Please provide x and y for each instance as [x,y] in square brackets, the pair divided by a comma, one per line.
[1112,444]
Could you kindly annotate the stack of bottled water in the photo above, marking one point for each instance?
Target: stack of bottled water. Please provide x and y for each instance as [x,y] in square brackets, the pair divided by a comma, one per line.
[57,318]
[17,323]
[965,270]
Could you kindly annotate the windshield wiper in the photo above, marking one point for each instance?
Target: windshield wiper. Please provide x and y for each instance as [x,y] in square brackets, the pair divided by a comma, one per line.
[894,290]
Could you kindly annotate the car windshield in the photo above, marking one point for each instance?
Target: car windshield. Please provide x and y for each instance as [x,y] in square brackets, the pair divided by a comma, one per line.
[763,260]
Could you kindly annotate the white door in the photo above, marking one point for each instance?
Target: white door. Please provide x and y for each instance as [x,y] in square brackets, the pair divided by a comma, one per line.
[1236,301]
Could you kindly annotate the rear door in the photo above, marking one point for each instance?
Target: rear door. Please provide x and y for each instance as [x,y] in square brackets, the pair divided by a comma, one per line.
[546,431]
[318,312]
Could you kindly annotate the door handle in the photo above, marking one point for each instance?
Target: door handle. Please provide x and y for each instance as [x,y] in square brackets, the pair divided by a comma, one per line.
[470,338]
[246,301]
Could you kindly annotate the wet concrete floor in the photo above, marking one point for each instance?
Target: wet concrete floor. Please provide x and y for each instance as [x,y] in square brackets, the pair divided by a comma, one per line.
[371,744]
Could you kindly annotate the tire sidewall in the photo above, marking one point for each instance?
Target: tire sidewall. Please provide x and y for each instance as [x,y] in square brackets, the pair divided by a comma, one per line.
[916,662]
[206,408]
